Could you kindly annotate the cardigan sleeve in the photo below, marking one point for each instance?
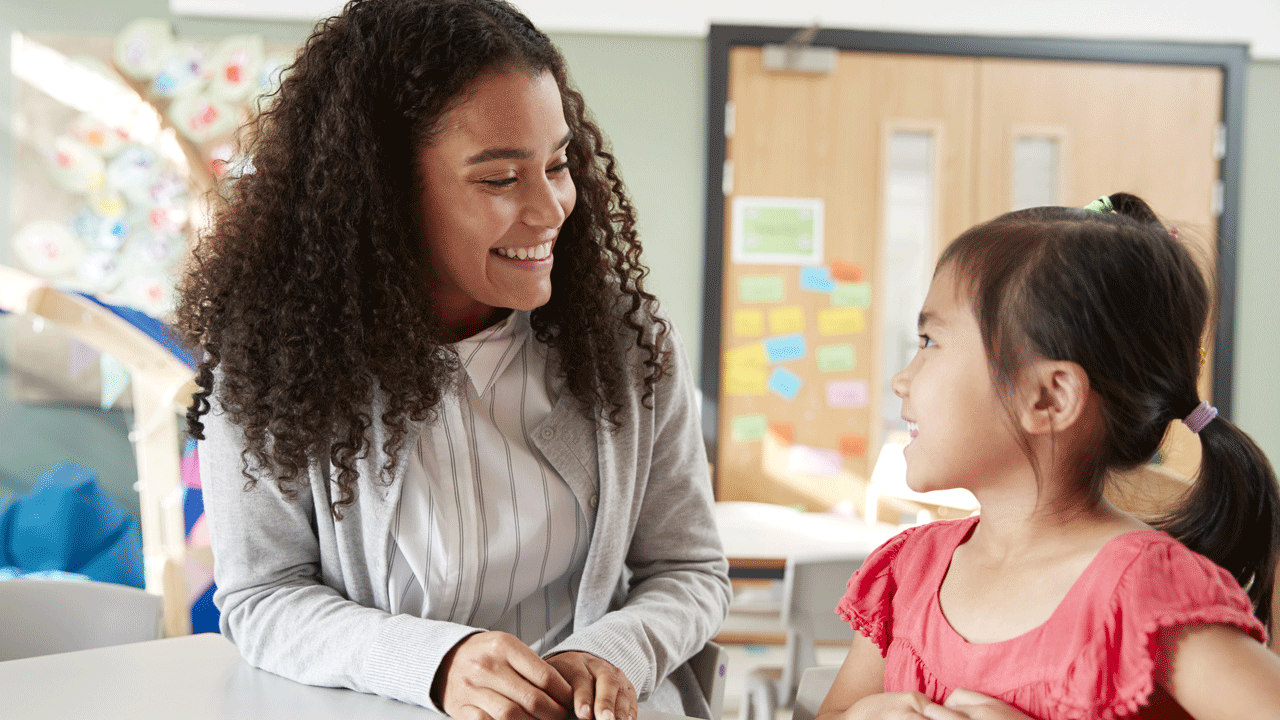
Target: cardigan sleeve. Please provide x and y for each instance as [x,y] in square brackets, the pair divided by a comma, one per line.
[667,566]
[272,590]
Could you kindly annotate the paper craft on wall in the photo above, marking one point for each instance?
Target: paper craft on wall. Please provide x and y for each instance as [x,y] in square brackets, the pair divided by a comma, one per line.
[777,231]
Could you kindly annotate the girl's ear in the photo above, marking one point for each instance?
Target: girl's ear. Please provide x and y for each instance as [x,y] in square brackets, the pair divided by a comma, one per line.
[1056,397]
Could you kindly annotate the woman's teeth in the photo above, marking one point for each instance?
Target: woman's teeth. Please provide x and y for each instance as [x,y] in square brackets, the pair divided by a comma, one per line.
[537,252]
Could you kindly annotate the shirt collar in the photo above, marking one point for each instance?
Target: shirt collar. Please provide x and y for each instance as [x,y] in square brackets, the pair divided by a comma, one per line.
[486,355]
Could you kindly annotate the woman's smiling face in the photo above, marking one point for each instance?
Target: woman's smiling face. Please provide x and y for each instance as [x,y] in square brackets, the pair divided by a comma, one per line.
[494,192]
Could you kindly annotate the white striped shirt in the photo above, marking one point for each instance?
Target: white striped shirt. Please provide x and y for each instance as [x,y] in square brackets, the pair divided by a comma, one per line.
[495,531]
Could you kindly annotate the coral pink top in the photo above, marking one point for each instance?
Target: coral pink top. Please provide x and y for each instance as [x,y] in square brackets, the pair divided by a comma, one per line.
[1093,658]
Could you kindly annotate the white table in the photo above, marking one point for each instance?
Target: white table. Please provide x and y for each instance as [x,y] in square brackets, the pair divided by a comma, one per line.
[197,677]
[759,537]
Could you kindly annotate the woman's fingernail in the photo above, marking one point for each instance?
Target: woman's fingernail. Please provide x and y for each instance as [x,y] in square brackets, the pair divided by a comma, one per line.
[584,712]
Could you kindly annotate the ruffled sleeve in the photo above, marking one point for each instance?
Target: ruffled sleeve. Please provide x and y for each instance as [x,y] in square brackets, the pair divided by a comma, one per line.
[867,604]
[1165,586]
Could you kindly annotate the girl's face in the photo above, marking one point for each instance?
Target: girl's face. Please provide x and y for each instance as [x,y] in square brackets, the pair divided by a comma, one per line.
[495,189]
[960,435]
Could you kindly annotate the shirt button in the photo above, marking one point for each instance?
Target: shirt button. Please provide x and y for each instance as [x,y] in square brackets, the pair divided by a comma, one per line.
[594,501]
[548,433]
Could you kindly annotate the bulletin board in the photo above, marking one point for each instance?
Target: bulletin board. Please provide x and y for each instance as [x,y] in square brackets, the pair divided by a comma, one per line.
[795,396]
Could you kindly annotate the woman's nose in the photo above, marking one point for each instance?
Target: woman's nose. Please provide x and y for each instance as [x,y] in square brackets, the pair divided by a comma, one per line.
[549,203]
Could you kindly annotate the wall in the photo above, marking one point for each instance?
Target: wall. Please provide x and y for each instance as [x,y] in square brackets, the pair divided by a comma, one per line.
[649,94]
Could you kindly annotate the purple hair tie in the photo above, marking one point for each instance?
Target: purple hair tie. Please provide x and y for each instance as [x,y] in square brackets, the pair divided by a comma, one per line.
[1201,416]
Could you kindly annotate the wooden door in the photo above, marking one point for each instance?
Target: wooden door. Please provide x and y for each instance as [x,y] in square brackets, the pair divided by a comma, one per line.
[1146,129]
[826,137]
[831,137]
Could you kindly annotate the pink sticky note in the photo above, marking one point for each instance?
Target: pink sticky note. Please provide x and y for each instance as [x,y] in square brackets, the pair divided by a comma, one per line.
[847,394]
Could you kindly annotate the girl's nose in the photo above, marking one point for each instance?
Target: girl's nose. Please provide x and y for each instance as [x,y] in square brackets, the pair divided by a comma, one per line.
[900,380]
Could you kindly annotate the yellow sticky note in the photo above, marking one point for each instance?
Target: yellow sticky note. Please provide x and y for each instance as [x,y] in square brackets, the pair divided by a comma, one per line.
[748,356]
[785,320]
[841,321]
[748,323]
[742,380]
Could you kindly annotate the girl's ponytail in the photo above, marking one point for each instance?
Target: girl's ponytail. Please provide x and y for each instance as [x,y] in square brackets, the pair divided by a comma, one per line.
[1231,514]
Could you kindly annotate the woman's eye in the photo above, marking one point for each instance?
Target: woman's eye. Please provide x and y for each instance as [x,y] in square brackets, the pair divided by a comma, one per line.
[500,182]
[926,341]
[557,169]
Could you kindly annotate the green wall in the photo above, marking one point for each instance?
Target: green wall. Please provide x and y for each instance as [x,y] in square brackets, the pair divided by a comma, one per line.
[649,94]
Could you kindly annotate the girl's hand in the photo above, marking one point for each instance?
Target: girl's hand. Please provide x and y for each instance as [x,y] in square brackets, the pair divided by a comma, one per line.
[890,706]
[969,705]
[600,690]
[494,676]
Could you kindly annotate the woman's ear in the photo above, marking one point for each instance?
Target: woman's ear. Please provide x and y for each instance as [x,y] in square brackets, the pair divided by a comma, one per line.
[1057,392]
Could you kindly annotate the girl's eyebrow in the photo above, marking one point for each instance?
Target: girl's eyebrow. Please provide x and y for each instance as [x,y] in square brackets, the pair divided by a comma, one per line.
[511,153]
[928,317]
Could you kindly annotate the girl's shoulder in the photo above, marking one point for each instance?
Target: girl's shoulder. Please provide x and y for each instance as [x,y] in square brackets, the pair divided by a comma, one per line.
[1159,582]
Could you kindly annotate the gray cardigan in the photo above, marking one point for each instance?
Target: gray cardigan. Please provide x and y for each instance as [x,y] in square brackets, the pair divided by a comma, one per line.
[305,596]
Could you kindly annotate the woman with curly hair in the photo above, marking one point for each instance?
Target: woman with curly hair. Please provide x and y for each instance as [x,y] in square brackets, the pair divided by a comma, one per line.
[449,443]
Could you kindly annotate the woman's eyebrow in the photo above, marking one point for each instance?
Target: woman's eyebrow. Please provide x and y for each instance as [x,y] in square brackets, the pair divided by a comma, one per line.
[511,153]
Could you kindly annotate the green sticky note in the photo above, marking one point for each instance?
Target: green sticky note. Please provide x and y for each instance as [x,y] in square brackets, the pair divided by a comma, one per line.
[749,428]
[851,295]
[836,358]
[761,288]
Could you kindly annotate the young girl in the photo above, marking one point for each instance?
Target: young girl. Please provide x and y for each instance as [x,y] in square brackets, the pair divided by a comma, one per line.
[1056,347]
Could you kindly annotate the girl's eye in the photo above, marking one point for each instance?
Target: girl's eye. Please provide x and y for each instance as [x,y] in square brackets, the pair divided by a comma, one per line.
[926,341]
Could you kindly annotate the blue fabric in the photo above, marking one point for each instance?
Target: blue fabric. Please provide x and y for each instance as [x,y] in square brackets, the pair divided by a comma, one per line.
[204,614]
[154,329]
[192,508]
[68,524]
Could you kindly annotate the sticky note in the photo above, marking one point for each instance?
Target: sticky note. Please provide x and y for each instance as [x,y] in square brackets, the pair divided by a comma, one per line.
[805,460]
[836,358]
[752,355]
[853,445]
[761,289]
[785,383]
[785,347]
[847,393]
[816,279]
[745,381]
[748,323]
[851,295]
[846,271]
[786,432]
[749,428]
[786,320]
[841,321]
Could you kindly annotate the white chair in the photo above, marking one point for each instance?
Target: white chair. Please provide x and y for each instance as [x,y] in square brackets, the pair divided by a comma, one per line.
[710,666]
[43,617]
[815,683]
[812,586]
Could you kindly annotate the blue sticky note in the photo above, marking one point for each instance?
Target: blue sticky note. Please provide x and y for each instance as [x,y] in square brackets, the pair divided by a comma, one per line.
[784,347]
[785,383]
[816,279]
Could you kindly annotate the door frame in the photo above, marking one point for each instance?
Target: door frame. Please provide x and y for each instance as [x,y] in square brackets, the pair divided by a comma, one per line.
[1231,59]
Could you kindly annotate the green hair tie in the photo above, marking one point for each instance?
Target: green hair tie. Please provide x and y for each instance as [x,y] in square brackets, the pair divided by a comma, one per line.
[1102,206]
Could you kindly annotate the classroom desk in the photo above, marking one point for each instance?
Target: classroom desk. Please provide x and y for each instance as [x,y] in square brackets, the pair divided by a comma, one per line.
[759,537]
[197,677]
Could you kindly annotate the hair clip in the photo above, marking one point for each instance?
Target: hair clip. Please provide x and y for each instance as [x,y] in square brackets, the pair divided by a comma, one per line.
[1102,206]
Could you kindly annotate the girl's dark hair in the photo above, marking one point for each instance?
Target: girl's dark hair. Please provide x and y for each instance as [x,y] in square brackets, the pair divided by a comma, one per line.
[308,293]
[1119,296]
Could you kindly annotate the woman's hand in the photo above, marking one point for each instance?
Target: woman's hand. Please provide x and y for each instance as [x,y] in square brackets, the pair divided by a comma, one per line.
[494,676]
[969,705]
[600,690]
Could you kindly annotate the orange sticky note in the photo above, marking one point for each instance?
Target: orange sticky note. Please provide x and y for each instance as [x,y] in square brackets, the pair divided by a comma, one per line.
[783,431]
[853,445]
[846,271]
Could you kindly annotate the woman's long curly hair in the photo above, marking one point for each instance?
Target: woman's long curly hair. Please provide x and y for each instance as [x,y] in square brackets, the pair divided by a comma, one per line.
[307,295]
